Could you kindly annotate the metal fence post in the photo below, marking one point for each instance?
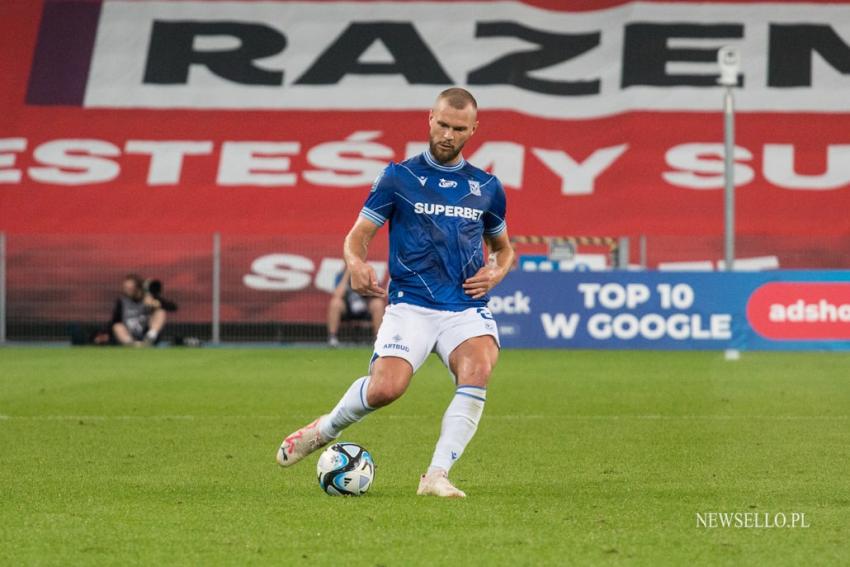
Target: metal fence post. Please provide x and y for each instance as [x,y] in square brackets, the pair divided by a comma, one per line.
[623,253]
[2,287]
[643,261]
[216,289]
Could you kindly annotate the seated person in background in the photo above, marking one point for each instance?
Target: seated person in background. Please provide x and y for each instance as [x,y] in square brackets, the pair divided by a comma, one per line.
[348,305]
[139,314]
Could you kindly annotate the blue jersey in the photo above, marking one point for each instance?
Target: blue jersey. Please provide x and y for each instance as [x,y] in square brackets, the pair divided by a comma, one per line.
[438,217]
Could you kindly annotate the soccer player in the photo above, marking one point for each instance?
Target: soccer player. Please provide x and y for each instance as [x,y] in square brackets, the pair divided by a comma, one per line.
[441,211]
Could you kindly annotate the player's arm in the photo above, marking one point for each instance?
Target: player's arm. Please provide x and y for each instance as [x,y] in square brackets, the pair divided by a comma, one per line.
[498,266]
[363,278]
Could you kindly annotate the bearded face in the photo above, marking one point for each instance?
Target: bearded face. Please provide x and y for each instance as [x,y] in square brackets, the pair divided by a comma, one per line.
[450,128]
[445,152]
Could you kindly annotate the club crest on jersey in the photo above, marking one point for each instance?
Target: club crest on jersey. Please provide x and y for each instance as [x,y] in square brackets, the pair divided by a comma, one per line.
[447,183]
[475,188]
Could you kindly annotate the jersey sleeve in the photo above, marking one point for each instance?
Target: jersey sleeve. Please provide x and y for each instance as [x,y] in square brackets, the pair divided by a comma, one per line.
[494,216]
[380,202]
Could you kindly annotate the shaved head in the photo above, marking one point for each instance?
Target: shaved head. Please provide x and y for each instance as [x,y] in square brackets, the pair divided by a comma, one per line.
[458,98]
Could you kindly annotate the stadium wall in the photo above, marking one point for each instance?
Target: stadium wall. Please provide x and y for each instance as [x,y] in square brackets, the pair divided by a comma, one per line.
[267,121]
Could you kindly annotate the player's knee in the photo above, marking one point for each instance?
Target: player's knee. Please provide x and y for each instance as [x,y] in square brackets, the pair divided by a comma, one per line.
[387,384]
[385,392]
[476,373]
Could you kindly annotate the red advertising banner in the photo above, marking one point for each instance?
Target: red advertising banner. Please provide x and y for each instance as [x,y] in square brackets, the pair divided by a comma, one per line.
[271,119]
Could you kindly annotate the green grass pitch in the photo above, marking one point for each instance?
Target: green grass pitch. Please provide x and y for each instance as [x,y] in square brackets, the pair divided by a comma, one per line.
[167,457]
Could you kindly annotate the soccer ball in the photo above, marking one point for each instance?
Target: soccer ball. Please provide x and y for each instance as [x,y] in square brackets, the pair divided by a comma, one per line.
[345,469]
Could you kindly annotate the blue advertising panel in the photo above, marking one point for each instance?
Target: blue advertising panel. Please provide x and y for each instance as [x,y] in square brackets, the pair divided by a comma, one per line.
[776,310]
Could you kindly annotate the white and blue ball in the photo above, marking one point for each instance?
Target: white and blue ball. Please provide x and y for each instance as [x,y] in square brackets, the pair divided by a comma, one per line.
[345,469]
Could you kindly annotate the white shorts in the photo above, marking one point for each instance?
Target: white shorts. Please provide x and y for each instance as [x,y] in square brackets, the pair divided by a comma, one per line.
[412,332]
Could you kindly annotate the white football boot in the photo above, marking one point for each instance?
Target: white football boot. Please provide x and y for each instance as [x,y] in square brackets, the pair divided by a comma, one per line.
[300,444]
[436,483]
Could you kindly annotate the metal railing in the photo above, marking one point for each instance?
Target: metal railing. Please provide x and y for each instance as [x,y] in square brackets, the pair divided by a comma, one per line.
[276,288]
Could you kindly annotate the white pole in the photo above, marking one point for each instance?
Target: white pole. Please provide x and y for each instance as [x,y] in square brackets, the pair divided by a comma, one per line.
[729,174]
[729,61]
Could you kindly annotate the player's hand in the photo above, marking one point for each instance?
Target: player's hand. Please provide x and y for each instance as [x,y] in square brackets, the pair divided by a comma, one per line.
[365,282]
[483,281]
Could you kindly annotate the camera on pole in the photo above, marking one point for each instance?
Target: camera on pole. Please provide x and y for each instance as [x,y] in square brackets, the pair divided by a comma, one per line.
[729,59]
